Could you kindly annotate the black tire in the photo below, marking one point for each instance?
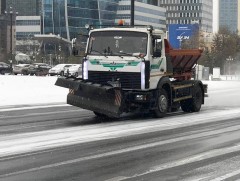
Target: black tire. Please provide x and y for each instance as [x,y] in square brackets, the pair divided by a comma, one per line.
[24,72]
[194,104]
[162,104]
[39,73]
[2,72]
[76,74]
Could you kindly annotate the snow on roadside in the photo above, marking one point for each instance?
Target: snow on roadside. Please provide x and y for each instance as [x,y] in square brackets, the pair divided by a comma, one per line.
[30,90]
[34,90]
[222,85]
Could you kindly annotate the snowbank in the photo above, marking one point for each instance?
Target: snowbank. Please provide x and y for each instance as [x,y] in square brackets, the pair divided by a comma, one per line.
[34,90]
[25,90]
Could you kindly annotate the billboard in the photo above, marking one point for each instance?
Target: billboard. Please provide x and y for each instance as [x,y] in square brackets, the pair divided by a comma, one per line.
[181,32]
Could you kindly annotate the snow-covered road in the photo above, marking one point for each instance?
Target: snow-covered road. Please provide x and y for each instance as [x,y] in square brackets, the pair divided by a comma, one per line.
[63,142]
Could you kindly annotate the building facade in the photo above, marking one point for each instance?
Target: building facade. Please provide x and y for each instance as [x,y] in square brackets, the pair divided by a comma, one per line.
[68,18]
[189,12]
[7,39]
[229,14]
[25,7]
[2,6]
[145,14]
[152,2]
[24,13]
[26,28]
[4,48]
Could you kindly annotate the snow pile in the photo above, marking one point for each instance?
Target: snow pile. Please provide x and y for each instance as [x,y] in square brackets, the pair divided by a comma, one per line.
[34,90]
[28,90]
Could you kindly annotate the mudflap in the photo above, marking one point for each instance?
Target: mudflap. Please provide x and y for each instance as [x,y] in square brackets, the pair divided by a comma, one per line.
[106,100]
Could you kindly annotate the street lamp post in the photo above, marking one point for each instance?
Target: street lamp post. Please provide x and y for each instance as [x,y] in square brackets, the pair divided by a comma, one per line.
[132,13]
[229,60]
[11,13]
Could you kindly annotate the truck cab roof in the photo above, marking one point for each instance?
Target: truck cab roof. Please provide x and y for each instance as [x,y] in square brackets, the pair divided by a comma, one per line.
[136,28]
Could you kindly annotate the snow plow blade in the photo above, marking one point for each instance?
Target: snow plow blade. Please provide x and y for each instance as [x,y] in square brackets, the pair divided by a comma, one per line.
[95,97]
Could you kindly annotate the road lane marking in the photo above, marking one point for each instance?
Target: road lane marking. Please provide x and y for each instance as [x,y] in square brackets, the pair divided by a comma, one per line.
[31,107]
[191,159]
[40,114]
[37,141]
[227,176]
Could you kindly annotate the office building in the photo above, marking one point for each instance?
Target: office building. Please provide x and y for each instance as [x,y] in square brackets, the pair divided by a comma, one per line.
[229,14]
[24,12]
[2,6]
[7,33]
[4,45]
[145,14]
[25,7]
[189,12]
[63,20]
[26,28]
[152,2]
[67,18]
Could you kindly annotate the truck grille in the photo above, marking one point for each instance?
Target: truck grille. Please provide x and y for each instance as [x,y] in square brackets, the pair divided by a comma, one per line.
[128,80]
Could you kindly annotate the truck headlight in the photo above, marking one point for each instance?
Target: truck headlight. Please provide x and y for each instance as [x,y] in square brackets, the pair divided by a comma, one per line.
[143,75]
[85,70]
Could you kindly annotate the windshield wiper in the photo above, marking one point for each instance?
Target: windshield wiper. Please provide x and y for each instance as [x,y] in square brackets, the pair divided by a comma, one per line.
[97,52]
[130,54]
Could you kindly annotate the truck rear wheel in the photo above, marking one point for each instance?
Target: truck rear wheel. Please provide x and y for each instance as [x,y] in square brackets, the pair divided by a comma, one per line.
[162,104]
[194,104]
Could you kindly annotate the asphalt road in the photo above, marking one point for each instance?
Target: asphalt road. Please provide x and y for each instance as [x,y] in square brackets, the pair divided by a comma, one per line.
[67,143]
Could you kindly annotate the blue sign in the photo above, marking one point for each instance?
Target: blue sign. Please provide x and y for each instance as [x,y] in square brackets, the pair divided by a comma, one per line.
[181,32]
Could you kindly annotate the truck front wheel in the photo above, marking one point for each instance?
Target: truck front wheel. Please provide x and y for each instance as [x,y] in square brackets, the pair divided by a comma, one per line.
[194,104]
[162,104]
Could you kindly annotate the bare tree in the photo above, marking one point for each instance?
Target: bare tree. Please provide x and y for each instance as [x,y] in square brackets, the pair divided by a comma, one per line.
[225,44]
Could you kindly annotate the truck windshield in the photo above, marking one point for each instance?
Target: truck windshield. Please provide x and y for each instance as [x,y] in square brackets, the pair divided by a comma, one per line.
[121,43]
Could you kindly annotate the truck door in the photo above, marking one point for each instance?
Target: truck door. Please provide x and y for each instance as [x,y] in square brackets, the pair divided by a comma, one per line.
[157,63]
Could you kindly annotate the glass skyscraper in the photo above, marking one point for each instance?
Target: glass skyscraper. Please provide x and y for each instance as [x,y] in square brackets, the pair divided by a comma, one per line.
[25,7]
[229,14]
[2,6]
[67,18]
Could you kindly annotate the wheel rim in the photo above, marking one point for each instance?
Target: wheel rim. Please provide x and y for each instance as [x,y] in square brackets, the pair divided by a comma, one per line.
[162,103]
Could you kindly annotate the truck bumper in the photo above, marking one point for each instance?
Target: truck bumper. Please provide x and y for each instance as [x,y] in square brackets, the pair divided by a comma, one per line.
[106,100]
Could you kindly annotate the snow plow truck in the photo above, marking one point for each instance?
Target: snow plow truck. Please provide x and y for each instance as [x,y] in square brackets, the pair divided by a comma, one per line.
[135,69]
